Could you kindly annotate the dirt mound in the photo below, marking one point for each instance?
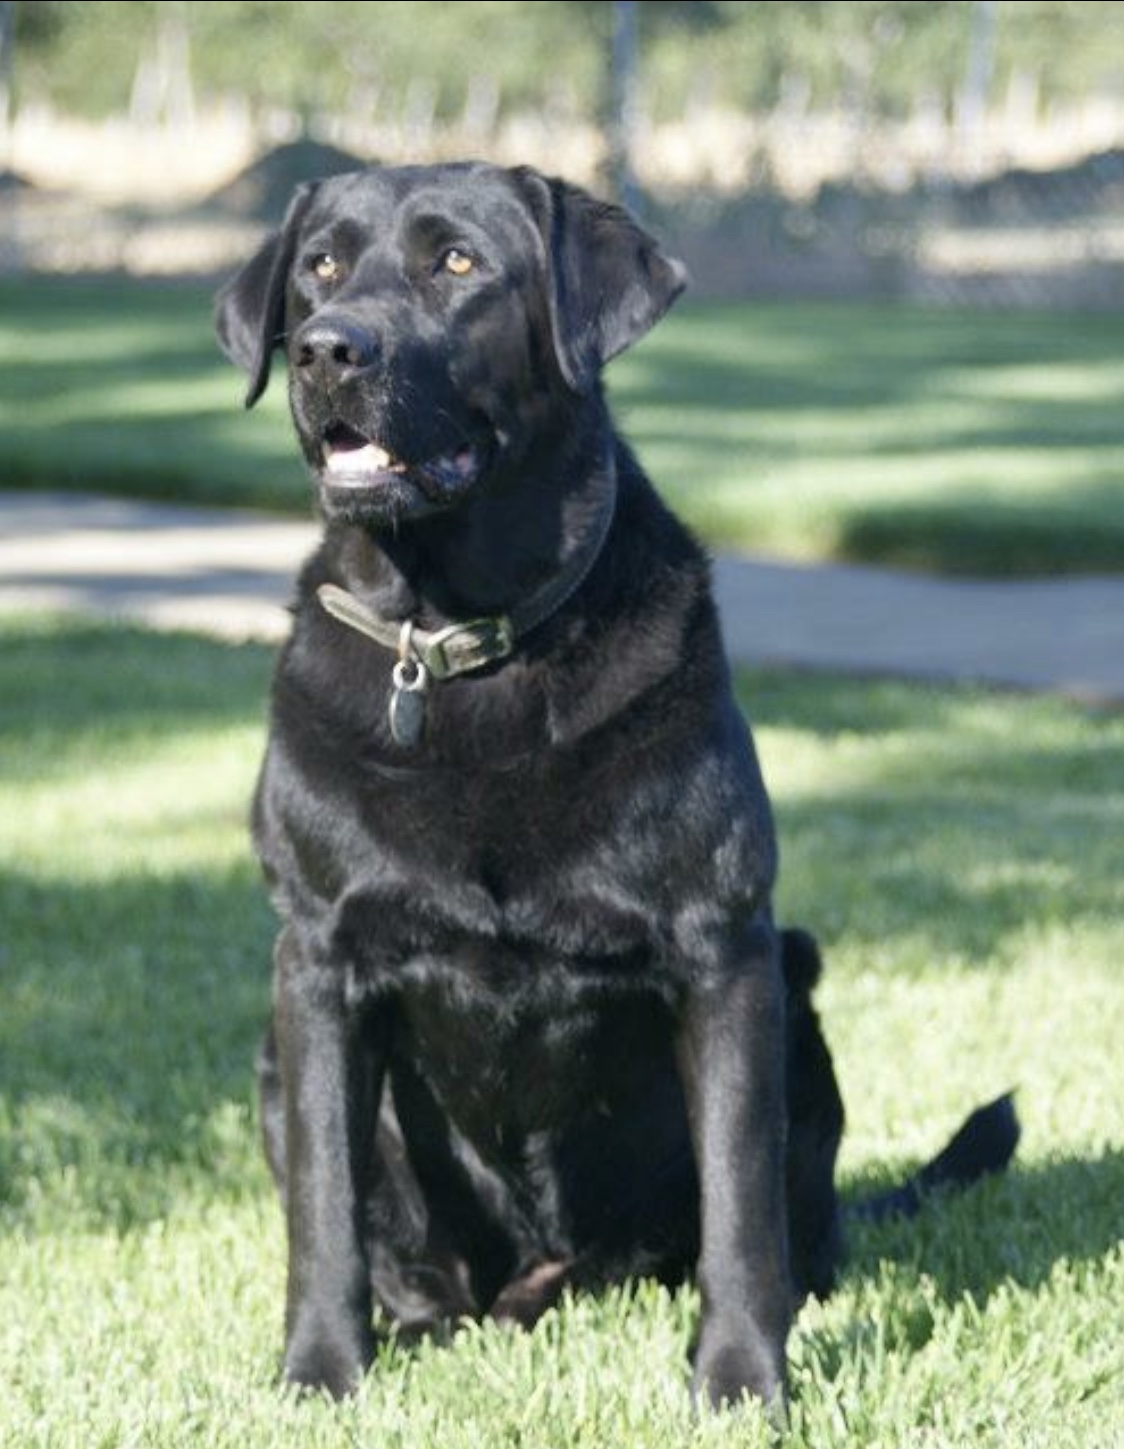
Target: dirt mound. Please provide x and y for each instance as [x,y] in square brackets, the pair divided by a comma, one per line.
[13,181]
[261,192]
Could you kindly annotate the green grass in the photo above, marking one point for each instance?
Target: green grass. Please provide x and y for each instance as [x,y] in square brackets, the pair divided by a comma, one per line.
[963,442]
[958,852]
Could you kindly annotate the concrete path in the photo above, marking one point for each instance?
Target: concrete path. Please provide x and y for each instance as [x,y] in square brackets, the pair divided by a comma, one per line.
[230,573]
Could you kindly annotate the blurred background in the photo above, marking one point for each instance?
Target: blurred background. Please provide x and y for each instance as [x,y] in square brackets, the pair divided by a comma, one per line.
[903,349]
[959,151]
[904,223]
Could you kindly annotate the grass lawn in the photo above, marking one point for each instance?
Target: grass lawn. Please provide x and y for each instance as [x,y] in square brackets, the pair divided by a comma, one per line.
[958,852]
[962,442]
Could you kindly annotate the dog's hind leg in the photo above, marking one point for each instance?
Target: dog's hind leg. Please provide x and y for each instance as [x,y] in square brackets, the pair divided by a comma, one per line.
[271,1107]
[525,1299]
[271,1100]
[815,1125]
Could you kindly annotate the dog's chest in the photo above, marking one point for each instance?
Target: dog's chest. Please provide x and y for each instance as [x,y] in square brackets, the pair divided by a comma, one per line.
[504,1067]
[505,883]
[529,935]
[519,977]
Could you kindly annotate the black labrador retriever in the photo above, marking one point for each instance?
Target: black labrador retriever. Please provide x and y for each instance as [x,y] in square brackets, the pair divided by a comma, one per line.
[533,1023]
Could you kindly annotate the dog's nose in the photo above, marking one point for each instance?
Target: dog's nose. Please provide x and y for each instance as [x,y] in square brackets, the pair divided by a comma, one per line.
[335,343]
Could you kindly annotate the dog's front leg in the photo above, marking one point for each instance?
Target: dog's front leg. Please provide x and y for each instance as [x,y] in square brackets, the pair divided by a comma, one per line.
[331,1063]
[731,1055]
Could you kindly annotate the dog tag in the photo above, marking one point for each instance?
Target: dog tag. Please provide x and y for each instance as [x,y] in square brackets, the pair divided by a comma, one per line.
[407,703]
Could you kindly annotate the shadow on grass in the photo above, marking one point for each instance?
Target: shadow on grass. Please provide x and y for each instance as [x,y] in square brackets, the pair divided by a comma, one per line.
[64,680]
[828,705]
[943,823]
[133,1000]
[948,539]
[121,387]
[132,1013]
[841,391]
[1007,1237]
[1013,1231]
[179,457]
[796,357]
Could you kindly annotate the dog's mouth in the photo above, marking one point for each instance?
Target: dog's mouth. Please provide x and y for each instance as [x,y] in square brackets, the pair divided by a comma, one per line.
[352,461]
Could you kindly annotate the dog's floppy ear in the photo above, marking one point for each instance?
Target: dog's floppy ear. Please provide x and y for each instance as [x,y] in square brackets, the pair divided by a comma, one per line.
[609,280]
[250,309]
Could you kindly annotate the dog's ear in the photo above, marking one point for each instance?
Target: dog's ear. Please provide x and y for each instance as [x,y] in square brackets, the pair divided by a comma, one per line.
[609,281]
[250,309]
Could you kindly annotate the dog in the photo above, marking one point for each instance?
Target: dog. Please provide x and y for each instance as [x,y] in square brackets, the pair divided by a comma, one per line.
[534,1025]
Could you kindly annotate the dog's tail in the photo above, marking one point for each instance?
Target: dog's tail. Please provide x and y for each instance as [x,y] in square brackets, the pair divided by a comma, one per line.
[984,1144]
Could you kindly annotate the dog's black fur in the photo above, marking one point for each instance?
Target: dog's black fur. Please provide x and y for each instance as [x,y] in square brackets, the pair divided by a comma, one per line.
[533,1023]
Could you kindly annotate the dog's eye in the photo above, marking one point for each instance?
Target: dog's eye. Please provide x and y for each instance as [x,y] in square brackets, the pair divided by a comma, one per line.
[325,266]
[457,262]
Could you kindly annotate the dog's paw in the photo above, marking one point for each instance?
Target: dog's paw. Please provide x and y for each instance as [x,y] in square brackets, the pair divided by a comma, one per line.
[726,1372]
[326,1364]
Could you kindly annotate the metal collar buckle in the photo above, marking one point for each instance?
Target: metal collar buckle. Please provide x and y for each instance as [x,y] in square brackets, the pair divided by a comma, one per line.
[462,647]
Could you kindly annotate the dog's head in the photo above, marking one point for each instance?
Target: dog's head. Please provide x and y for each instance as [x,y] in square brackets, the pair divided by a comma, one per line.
[437,320]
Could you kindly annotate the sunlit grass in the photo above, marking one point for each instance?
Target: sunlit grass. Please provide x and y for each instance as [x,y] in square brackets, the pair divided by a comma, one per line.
[957,851]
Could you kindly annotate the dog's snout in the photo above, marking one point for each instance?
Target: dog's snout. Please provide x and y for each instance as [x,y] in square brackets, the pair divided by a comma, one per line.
[335,343]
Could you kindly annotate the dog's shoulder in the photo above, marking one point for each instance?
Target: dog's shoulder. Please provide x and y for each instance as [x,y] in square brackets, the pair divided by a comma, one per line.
[646,631]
